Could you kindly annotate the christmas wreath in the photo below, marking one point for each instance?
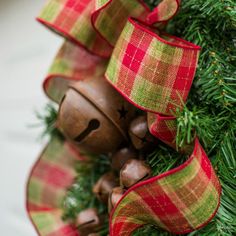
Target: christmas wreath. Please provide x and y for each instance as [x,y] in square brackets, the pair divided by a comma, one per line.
[134,151]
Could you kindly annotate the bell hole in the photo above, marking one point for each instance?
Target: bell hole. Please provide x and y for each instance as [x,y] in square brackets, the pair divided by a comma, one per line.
[144,177]
[141,179]
[87,223]
[59,110]
[63,98]
[92,125]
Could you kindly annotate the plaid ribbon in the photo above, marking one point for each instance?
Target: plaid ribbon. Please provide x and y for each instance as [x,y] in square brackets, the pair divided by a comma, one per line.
[163,12]
[179,201]
[49,179]
[65,69]
[71,19]
[163,127]
[93,24]
[152,70]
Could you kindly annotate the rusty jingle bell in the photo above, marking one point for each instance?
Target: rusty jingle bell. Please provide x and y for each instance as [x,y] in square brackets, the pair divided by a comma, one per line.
[104,186]
[119,158]
[114,197]
[95,116]
[139,134]
[133,172]
[89,221]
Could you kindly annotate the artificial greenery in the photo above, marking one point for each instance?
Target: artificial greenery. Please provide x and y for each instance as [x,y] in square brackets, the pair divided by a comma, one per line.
[210,112]
[79,196]
[48,120]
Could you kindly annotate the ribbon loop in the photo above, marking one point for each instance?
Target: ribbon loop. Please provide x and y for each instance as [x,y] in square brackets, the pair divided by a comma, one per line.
[163,127]
[153,71]
[48,182]
[163,12]
[179,201]
[93,24]
[110,16]
[72,63]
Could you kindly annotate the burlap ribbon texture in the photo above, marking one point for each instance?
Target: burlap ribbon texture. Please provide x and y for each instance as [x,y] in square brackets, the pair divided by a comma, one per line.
[124,42]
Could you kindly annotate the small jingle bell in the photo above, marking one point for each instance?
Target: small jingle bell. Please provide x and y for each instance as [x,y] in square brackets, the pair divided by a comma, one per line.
[94,116]
[88,221]
[133,172]
[119,158]
[104,186]
[114,197]
[139,133]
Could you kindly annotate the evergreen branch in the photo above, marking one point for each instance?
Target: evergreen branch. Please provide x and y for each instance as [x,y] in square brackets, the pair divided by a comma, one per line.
[80,196]
[48,120]
[210,111]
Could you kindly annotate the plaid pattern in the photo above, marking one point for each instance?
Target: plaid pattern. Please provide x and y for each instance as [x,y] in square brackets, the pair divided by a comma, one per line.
[163,12]
[94,24]
[154,73]
[66,69]
[72,19]
[52,174]
[110,21]
[163,127]
[178,201]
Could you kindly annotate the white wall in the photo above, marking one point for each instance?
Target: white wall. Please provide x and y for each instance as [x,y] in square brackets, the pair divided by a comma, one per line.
[26,51]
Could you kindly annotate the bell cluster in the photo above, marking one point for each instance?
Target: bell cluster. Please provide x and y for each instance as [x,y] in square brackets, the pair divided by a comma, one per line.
[96,119]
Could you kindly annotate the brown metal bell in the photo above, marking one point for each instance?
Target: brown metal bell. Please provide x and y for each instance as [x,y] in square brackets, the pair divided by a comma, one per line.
[95,116]
[133,172]
[88,221]
[104,186]
[119,158]
[139,133]
[114,197]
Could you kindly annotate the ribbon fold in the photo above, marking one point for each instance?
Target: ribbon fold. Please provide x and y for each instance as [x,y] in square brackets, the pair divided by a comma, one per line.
[49,179]
[179,201]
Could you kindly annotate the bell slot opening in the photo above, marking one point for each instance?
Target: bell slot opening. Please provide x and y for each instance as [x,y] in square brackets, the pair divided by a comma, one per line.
[87,223]
[92,125]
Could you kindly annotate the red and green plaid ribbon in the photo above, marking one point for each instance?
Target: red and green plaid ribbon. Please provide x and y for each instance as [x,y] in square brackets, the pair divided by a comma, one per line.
[72,19]
[163,12]
[72,63]
[179,201]
[152,70]
[163,127]
[93,24]
[49,179]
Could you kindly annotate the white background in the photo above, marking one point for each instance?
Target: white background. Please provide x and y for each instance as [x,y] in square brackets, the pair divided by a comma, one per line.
[26,51]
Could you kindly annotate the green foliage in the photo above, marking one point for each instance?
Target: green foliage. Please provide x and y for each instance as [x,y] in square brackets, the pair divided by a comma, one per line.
[150,231]
[164,158]
[210,111]
[48,120]
[80,196]
[151,3]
